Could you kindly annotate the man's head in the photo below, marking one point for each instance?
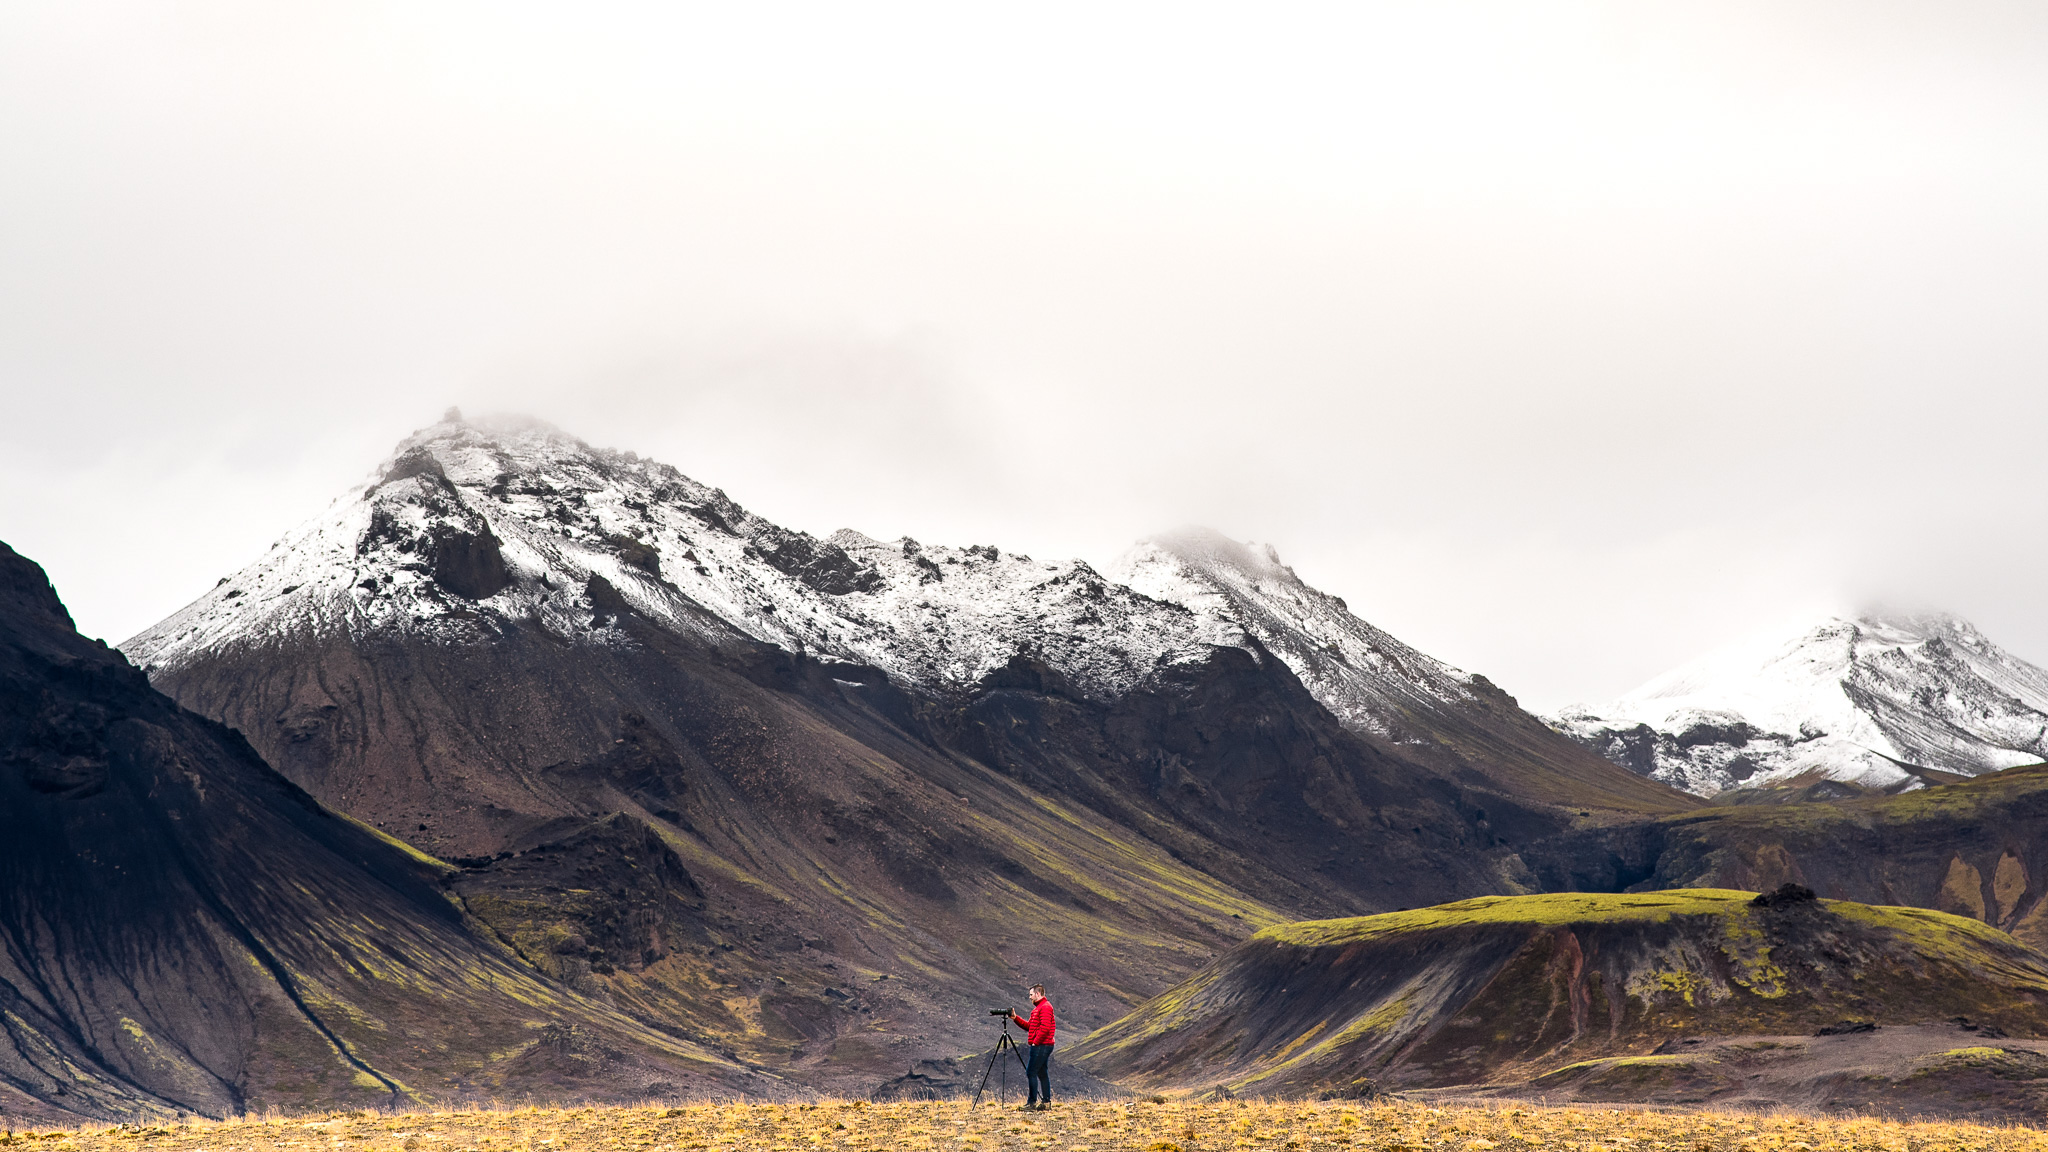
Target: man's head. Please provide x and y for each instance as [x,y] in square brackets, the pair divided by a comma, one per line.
[1037,993]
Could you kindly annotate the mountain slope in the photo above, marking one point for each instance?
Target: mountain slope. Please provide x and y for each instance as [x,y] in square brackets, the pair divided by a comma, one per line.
[1510,991]
[184,930]
[1870,701]
[1375,684]
[901,779]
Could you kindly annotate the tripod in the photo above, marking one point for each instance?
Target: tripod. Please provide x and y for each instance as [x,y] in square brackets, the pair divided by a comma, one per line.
[1003,1044]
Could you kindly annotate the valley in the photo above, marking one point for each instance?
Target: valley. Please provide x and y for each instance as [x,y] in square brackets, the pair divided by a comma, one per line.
[657,797]
[883,783]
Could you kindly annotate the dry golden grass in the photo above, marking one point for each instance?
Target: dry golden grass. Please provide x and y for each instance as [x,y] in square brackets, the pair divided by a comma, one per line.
[1174,1126]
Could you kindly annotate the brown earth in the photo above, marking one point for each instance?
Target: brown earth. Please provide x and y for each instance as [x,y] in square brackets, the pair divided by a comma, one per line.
[1142,1125]
[1924,1070]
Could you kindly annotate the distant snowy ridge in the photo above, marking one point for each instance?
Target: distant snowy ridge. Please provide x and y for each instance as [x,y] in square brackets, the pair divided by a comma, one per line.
[1847,699]
[478,525]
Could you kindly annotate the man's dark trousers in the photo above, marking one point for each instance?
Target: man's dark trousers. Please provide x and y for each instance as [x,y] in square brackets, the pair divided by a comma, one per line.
[1038,1073]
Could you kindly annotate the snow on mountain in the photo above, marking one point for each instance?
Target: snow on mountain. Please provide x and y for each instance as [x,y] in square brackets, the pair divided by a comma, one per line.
[472,525]
[474,529]
[1847,699]
[471,522]
[1368,678]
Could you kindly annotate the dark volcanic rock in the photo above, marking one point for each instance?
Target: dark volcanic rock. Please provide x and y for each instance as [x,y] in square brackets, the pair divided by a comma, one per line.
[1784,896]
[469,564]
[182,930]
[823,566]
[599,897]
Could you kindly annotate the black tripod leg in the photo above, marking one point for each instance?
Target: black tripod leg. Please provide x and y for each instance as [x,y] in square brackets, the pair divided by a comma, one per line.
[1017,1050]
[993,1053]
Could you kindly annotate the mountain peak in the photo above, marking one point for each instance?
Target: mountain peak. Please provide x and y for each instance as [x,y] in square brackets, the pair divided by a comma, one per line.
[1209,549]
[1864,698]
[1351,666]
[495,522]
[26,593]
[1372,681]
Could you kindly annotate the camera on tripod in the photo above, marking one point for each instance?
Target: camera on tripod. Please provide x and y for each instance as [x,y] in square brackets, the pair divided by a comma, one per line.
[995,1057]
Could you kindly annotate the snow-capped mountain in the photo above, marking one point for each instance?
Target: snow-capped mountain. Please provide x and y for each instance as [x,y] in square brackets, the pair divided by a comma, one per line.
[476,526]
[512,519]
[527,656]
[1859,700]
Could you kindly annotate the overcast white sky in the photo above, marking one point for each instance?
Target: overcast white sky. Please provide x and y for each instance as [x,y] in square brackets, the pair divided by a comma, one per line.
[1564,341]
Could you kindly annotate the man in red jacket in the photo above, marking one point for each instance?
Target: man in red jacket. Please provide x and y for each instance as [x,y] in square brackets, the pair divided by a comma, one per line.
[1038,1035]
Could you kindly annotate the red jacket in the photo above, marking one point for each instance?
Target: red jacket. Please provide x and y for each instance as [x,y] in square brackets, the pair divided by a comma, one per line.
[1038,1029]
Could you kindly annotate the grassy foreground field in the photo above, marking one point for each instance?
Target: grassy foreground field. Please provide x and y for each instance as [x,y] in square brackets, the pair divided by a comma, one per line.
[1139,1126]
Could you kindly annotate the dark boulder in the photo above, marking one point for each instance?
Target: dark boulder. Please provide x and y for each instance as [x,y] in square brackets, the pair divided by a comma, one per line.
[1787,894]
[469,564]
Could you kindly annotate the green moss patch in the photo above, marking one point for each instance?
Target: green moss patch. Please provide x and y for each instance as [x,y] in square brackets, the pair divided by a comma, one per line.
[1557,908]
[2004,1063]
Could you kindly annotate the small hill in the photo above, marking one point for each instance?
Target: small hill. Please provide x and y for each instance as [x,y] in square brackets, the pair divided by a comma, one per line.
[184,931]
[1977,848]
[1503,991]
